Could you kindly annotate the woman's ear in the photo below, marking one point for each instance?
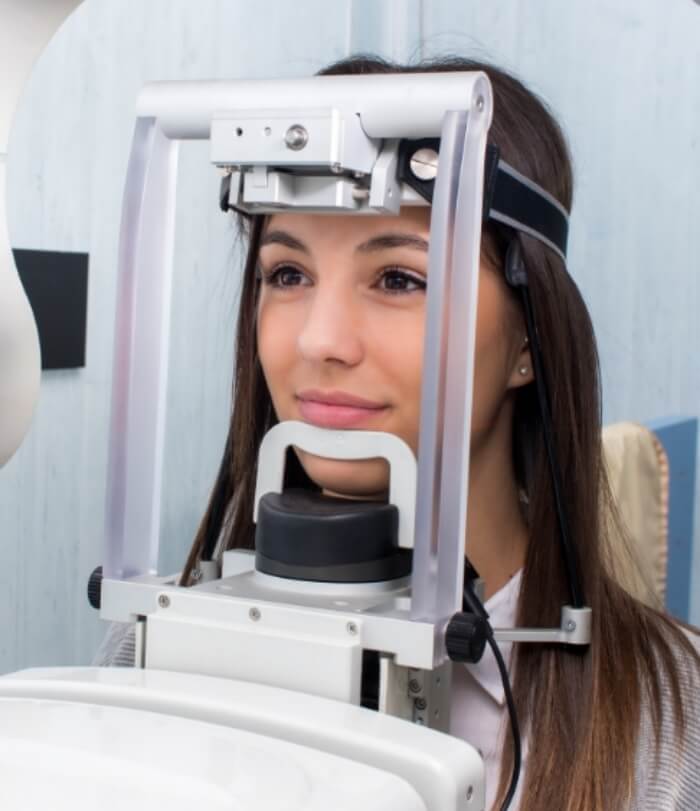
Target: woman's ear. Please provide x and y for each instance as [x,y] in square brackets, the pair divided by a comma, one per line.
[521,373]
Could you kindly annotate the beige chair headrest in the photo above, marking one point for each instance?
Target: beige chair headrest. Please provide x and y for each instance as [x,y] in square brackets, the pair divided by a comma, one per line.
[637,468]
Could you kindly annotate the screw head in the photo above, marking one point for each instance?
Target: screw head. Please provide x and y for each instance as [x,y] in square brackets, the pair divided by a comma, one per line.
[254,614]
[421,703]
[163,600]
[360,194]
[296,137]
[480,103]
[424,164]
[196,574]
[414,686]
[351,628]
[570,625]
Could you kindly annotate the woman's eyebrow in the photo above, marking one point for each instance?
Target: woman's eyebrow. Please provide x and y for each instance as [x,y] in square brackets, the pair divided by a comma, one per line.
[283,238]
[388,241]
[380,242]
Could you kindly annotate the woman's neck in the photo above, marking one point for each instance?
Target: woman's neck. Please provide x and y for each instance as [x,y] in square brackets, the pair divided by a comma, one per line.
[496,530]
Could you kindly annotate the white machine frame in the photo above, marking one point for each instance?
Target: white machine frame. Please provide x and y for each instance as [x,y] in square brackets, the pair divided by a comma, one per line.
[352,127]
[169,111]
[325,144]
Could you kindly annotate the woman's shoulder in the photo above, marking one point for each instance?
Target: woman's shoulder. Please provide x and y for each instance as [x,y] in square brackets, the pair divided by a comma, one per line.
[686,656]
[118,648]
[668,750]
[689,663]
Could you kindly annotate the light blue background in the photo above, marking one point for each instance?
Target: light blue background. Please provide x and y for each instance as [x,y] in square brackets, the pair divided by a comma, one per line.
[624,78]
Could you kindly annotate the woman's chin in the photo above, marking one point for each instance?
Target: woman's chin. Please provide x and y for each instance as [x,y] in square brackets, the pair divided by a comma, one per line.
[362,480]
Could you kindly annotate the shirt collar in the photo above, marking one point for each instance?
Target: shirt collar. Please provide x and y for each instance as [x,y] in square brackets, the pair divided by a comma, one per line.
[501,608]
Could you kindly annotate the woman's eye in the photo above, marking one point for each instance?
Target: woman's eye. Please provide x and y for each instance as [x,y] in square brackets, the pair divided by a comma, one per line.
[395,280]
[284,276]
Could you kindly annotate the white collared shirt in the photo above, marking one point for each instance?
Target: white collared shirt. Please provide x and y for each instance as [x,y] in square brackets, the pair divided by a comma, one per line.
[478,712]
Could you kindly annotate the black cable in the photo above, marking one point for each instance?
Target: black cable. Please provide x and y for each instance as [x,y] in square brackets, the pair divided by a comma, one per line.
[471,602]
[514,726]
[516,275]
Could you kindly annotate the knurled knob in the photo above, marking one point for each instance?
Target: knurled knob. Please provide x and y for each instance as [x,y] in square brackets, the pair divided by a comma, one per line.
[465,637]
[94,588]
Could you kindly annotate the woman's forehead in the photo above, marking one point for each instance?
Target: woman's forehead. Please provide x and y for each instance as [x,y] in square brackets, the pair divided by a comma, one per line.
[311,229]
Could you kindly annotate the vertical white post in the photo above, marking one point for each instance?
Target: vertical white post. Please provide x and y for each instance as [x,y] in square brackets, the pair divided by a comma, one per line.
[448,364]
[140,377]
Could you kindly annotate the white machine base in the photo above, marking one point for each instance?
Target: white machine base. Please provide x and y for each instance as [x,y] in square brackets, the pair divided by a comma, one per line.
[79,738]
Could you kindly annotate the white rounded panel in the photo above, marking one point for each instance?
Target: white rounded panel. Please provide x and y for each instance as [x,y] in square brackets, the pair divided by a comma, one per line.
[69,757]
[20,361]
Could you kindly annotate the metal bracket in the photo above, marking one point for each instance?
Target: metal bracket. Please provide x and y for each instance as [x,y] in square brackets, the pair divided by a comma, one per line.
[575,629]
[416,695]
[385,189]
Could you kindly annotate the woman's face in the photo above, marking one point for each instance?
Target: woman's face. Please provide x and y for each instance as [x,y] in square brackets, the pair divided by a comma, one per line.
[340,329]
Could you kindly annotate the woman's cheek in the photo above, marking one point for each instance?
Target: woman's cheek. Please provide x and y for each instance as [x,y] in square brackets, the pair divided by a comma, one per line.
[274,342]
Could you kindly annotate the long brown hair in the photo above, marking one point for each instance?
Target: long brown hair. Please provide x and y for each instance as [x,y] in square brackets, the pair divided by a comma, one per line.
[580,710]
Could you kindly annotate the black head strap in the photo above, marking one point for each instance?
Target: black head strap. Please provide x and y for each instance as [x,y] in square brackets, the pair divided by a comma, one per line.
[509,197]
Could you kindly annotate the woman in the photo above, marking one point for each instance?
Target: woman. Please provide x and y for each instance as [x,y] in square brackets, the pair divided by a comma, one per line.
[330,332]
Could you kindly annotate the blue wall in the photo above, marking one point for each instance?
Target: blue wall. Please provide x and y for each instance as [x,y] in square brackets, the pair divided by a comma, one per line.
[623,77]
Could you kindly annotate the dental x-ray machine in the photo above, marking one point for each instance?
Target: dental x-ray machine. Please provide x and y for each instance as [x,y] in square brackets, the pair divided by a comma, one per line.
[314,671]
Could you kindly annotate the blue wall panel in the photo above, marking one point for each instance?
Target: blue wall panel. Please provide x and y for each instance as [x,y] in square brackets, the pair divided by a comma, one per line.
[680,440]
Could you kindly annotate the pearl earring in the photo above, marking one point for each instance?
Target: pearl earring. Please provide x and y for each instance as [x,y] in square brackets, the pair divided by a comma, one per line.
[523,370]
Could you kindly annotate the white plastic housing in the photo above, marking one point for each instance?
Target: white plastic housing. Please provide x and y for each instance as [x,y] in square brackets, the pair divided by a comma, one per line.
[257,137]
[20,361]
[24,29]
[83,738]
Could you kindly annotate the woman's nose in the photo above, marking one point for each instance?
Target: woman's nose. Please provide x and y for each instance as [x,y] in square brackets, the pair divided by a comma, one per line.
[332,329]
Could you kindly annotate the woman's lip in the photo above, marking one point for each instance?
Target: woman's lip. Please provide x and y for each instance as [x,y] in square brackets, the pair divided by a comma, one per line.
[326,414]
[338,398]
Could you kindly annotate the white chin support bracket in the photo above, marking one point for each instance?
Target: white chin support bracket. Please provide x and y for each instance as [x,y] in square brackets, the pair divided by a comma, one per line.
[346,446]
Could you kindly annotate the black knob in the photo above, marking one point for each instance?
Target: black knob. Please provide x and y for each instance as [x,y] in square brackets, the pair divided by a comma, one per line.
[94,588]
[465,637]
